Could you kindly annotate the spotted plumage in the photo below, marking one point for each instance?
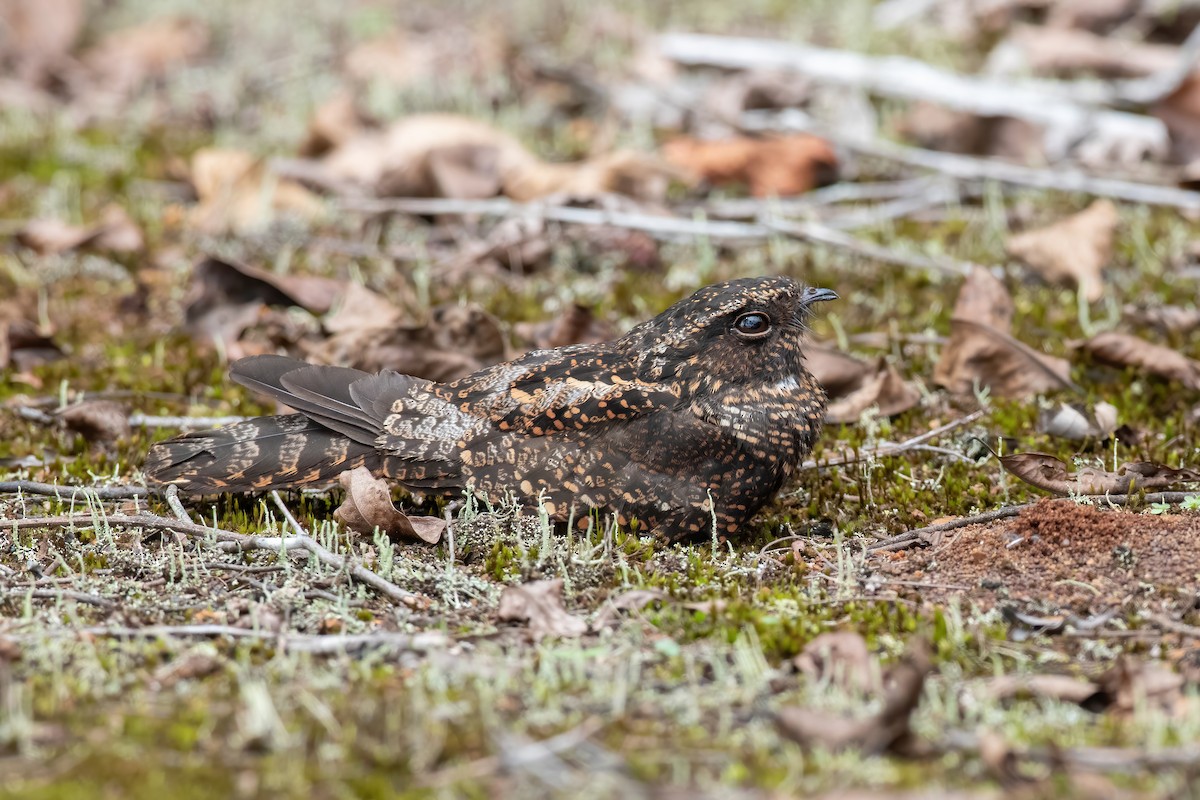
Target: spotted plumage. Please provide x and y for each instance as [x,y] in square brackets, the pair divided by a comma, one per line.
[692,420]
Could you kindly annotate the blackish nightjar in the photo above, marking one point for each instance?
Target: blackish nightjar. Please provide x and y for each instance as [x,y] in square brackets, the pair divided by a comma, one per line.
[692,420]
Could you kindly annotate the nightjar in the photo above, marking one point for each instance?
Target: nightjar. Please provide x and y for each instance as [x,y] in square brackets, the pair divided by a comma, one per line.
[690,422]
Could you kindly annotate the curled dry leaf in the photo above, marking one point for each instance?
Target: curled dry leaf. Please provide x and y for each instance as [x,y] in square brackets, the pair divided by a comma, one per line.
[841,657]
[769,167]
[115,232]
[540,603]
[97,421]
[1169,319]
[887,730]
[368,506]
[444,155]
[225,298]
[1074,250]
[855,385]
[1076,422]
[239,192]
[1047,472]
[982,353]
[885,390]
[1124,350]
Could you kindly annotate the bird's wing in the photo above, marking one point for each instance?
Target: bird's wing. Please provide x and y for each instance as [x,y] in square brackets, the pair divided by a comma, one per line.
[551,391]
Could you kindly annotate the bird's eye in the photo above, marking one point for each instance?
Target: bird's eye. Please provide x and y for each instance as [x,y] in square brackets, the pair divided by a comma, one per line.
[753,324]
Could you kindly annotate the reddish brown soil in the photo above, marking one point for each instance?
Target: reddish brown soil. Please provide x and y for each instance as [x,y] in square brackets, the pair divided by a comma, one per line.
[1041,559]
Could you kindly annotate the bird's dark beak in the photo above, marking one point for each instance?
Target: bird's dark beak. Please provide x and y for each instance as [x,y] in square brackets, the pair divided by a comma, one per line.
[814,295]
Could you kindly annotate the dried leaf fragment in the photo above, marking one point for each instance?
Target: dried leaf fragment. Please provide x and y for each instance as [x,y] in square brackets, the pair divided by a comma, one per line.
[982,352]
[368,506]
[239,192]
[1124,350]
[878,733]
[1050,473]
[840,656]
[99,421]
[1074,250]
[540,603]
[768,167]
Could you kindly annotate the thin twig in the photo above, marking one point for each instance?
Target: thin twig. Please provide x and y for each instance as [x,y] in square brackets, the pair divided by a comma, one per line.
[173,502]
[291,642]
[973,168]
[1174,626]
[17,593]
[69,492]
[662,226]
[153,421]
[891,449]
[1052,105]
[238,541]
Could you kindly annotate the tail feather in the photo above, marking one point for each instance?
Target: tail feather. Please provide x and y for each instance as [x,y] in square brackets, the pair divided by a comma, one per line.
[256,455]
[333,433]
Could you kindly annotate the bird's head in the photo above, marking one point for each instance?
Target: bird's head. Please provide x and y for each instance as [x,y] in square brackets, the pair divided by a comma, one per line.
[745,332]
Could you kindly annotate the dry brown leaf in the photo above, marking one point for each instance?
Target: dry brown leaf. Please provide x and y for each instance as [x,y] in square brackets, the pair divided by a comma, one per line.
[200,662]
[226,298]
[335,121]
[97,421]
[540,603]
[1047,472]
[1045,686]
[839,372]
[879,733]
[358,307]
[770,167]
[1074,250]
[115,232]
[22,344]
[1075,422]
[368,506]
[37,35]
[936,127]
[1132,684]
[1062,52]
[1092,15]
[982,353]
[755,90]
[633,599]
[1124,350]
[445,155]
[841,657]
[1168,319]
[854,385]
[124,60]
[885,390]
[238,192]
